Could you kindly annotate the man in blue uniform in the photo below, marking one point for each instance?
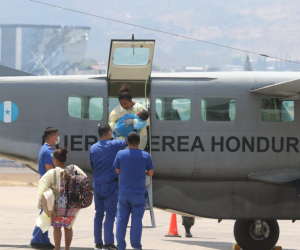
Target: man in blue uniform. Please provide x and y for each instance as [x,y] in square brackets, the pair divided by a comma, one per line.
[133,165]
[102,155]
[41,240]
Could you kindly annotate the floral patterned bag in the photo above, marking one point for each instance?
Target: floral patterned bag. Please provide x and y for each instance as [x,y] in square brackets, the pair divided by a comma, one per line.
[79,191]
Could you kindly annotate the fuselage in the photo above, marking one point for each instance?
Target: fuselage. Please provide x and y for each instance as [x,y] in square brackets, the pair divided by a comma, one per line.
[190,152]
[191,149]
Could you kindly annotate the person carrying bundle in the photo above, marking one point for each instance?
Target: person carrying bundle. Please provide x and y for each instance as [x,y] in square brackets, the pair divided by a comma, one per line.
[60,180]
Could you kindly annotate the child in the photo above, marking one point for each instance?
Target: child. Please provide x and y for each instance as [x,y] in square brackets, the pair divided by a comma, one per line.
[127,123]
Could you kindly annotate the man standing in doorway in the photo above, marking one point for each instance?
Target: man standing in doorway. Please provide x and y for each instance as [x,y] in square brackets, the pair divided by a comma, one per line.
[41,240]
[133,165]
[102,155]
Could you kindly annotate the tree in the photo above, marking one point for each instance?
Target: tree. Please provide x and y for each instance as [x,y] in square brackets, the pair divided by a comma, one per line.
[247,65]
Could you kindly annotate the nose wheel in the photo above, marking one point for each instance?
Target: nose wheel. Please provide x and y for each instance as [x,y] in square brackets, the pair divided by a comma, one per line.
[256,234]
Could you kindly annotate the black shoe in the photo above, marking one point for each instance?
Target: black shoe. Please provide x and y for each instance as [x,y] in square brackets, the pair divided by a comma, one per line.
[49,246]
[188,235]
[98,246]
[110,247]
[36,245]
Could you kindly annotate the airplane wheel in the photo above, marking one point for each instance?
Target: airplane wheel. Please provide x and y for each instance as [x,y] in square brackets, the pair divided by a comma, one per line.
[247,239]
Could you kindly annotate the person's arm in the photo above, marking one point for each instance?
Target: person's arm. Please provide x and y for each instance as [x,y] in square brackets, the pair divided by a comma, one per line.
[48,160]
[48,167]
[91,160]
[150,172]
[116,164]
[121,144]
[140,125]
[114,116]
[150,168]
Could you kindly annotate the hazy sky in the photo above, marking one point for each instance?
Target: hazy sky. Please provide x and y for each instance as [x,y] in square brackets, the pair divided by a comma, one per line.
[268,27]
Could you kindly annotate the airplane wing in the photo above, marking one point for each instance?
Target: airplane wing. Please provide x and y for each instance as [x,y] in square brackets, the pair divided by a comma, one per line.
[279,177]
[32,164]
[7,71]
[289,89]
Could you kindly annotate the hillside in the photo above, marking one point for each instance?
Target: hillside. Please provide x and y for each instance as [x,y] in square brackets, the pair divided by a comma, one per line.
[268,27]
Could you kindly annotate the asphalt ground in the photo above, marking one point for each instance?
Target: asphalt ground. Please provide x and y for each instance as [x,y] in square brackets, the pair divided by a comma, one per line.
[11,176]
[18,213]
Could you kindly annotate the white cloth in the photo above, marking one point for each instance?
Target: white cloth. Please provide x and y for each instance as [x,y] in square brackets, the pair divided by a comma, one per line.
[50,198]
[119,112]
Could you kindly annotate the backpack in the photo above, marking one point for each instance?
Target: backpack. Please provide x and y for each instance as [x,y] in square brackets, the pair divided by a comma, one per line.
[79,191]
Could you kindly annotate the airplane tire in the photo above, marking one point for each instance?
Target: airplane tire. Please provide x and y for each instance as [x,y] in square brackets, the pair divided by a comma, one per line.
[247,240]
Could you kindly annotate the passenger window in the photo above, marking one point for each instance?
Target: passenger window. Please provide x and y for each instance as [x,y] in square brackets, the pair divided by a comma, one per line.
[159,109]
[96,108]
[218,109]
[173,109]
[87,107]
[276,110]
[74,106]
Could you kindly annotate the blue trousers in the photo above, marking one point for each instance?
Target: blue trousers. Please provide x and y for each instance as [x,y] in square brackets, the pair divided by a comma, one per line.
[39,236]
[133,204]
[106,200]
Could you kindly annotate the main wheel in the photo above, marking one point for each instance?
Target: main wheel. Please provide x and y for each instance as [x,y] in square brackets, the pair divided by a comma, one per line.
[247,239]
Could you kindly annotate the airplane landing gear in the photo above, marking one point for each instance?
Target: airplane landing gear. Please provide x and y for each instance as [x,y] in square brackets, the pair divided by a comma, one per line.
[257,234]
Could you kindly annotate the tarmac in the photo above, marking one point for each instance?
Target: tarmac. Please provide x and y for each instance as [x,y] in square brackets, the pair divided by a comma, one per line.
[18,212]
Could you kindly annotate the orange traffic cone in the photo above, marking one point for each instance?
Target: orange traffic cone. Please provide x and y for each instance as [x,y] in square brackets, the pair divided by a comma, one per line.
[173,232]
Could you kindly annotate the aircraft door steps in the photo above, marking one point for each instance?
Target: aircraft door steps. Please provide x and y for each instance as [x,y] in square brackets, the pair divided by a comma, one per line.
[149,200]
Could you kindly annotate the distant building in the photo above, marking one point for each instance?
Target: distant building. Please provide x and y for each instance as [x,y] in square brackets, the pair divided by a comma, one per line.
[212,69]
[247,64]
[57,47]
[100,68]
[187,69]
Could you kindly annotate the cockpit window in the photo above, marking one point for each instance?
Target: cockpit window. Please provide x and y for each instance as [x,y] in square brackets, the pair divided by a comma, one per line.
[173,108]
[131,56]
[276,110]
[87,107]
[218,109]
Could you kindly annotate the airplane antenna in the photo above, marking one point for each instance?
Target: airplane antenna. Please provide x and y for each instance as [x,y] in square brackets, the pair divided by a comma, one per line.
[132,36]
[47,73]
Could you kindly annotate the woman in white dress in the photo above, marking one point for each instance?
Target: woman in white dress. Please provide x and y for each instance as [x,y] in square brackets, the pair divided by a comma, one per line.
[128,106]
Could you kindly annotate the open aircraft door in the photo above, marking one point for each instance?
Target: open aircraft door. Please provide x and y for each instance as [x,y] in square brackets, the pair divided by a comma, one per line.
[130,62]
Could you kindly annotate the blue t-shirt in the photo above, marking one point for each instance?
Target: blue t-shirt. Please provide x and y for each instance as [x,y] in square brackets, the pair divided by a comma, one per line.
[121,127]
[45,157]
[133,164]
[102,155]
